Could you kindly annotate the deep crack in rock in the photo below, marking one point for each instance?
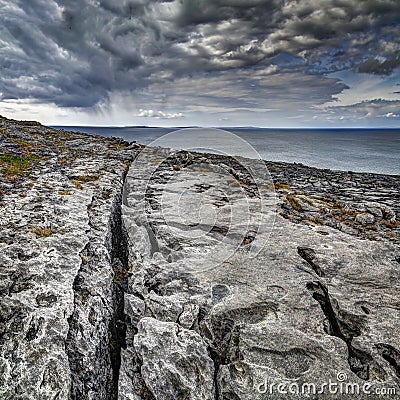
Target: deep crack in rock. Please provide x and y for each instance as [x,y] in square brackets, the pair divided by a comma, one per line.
[344,326]
[119,258]
[391,355]
[95,372]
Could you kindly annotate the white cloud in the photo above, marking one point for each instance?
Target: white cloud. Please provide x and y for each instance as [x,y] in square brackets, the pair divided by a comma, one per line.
[391,115]
[159,114]
[367,111]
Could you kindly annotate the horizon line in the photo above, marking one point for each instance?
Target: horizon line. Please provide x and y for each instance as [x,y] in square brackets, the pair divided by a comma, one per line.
[225,127]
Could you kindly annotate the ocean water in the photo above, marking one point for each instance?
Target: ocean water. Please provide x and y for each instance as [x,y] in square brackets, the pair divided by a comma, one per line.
[358,150]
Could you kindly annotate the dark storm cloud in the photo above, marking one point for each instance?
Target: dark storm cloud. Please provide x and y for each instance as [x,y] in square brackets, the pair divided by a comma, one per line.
[294,27]
[75,53]
[258,12]
[374,66]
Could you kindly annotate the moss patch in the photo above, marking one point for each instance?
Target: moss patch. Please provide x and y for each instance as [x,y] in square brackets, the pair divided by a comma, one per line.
[15,166]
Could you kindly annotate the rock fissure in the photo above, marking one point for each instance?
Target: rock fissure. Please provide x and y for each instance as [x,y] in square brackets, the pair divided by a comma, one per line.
[346,327]
[121,269]
[74,357]
[216,360]
[103,306]
[309,256]
[391,355]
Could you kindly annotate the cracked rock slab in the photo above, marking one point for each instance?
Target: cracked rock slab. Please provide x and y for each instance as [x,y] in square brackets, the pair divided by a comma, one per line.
[57,295]
[307,309]
[175,362]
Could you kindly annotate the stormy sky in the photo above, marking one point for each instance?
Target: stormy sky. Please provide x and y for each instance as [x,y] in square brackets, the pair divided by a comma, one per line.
[270,63]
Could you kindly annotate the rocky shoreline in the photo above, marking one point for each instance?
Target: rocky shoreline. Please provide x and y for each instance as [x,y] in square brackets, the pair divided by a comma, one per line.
[105,292]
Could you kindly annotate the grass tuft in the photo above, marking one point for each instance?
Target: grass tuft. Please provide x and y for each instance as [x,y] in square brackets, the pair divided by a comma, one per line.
[43,232]
[316,220]
[65,192]
[87,178]
[77,184]
[278,185]
[296,205]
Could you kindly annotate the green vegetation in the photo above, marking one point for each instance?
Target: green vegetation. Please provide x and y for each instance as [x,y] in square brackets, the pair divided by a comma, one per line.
[119,275]
[15,166]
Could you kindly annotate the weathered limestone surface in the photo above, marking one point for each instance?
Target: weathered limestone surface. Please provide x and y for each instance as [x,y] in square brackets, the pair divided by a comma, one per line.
[192,280]
[364,205]
[309,308]
[58,240]
[184,371]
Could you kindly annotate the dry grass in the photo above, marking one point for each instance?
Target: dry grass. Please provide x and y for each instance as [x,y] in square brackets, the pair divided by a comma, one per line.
[65,160]
[84,259]
[26,146]
[390,224]
[351,213]
[78,180]
[43,232]
[282,186]
[106,194]
[284,215]
[296,205]
[86,178]
[77,184]
[145,392]
[316,220]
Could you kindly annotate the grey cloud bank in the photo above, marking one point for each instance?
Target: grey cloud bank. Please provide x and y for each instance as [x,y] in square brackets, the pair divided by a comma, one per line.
[222,57]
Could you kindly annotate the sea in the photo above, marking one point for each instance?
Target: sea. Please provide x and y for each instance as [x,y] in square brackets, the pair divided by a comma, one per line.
[357,150]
